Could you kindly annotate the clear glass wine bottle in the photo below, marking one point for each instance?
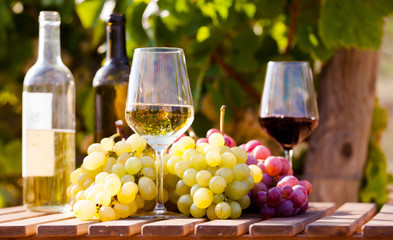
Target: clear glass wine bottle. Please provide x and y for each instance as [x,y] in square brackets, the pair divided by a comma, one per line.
[48,123]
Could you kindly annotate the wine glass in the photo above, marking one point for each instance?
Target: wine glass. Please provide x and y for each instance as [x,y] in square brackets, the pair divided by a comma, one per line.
[159,106]
[288,110]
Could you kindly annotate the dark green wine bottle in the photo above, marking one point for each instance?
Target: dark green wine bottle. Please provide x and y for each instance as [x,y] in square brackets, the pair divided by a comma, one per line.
[111,81]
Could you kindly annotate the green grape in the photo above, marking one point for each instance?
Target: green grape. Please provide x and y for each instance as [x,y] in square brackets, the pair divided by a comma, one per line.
[149,172]
[112,186]
[91,173]
[217,184]
[173,197]
[147,162]
[149,205]
[211,212]
[103,198]
[256,173]
[224,149]
[201,147]
[250,182]
[137,143]
[94,160]
[107,214]
[197,212]
[226,173]
[87,183]
[212,170]
[100,178]
[209,148]
[213,158]
[176,151]
[180,168]
[184,204]
[112,175]
[235,190]
[69,194]
[119,170]
[222,210]
[216,139]
[228,160]
[236,210]
[99,187]
[121,210]
[189,153]
[198,162]
[80,196]
[203,177]
[171,164]
[122,159]
[122,147]
[127,193]
[85,210]
[241,172]
[109,163]
[140,202]
[203,197]
[170,181]
[147,188]
[127,178]
[92,195]
[75,189]
[133,207]
[182,188]
[165,196]
[244,201]
[133,165]
[217,198]
[107,144]
[189,177]
[74,175]
[194,189]
[240,154]
[95,147]
[186,143]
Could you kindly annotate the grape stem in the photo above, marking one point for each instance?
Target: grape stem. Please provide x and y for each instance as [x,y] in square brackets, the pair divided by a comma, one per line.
[222,115]
[120,129]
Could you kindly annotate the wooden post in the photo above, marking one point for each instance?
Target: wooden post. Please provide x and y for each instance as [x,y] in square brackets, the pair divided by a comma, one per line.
[338,147]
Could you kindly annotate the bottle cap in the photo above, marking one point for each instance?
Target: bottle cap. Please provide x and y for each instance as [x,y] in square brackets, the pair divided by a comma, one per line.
[116,18]
[49,16]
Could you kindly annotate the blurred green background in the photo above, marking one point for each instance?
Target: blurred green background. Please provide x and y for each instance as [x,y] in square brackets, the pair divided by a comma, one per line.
[227,44]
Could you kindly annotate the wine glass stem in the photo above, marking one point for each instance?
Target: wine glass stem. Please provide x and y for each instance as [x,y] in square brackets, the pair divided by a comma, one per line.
[160,182]
[288,155]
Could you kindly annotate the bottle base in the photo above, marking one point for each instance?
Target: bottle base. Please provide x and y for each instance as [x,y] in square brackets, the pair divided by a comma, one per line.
[49,209]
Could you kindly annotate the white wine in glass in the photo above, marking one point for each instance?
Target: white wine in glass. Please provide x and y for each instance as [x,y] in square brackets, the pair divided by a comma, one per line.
[159,106]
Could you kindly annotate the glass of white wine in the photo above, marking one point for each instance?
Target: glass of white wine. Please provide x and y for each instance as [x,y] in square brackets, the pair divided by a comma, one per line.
[159,106]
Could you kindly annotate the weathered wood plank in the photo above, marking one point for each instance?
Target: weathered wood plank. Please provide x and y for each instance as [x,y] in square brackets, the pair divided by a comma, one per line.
[69,227]
[20,215]
[171,227]
[288,227]
[126,227]
[343,222]
[381,224]
[232,227]
[12,210]
[28,227]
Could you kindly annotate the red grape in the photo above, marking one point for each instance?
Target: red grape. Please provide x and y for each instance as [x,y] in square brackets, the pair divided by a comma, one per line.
[273,197]
[306,184]
[267,179]
[286,191]
[260,186]
[260,152]
[301,188]
[298,198]
[183,135]
[229,141]
[273,166]
[251,145]
[201,140]
[211,131]
[285,166]
[288,180]
[267,212]
[261,165]
[243,146]
[251,160]
[260,198]
[285,208]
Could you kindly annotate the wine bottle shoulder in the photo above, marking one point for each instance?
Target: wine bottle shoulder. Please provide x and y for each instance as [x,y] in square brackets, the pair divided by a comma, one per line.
[112,74]
[48,74]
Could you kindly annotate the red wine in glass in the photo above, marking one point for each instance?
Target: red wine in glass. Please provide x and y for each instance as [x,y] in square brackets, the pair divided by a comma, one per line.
[288,131]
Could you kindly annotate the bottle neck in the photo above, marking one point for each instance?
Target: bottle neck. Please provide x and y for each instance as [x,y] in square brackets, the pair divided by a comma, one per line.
[49,42]
[115,39]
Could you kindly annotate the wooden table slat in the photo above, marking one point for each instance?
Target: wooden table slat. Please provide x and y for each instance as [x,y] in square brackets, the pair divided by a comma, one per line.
[343,222]
[229,227]
[20,215]
[171,227]
[381,224]
[28,227]
[124,227]
[69,227]
[12,210]
[288,227]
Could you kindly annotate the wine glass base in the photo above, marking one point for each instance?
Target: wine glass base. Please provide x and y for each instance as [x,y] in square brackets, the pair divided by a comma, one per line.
[160,214]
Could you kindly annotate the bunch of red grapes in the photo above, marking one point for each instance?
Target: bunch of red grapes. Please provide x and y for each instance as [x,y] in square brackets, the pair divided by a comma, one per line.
[279,193]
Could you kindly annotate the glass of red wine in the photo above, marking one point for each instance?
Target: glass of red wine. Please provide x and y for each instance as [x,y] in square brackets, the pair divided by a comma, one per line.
[288,110]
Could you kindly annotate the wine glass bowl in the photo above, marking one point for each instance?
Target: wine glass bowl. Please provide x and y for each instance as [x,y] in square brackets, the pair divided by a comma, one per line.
[159,105]
[288,110]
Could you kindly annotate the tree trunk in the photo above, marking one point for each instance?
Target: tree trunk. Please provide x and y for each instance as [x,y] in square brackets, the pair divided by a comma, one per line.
[338,148]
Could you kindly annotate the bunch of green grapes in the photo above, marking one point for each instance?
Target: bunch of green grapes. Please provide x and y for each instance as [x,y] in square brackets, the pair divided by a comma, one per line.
[114,181]
[213,178]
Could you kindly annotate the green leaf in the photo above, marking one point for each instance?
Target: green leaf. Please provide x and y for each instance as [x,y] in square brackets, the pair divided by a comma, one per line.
[269,9]
[358,24]
[89,12]
[11,154]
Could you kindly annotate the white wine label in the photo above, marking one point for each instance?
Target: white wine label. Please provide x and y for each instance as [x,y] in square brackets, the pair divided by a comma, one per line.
[38,157]
[37,110]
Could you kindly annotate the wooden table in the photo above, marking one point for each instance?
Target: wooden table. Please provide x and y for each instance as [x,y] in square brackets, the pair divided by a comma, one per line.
[321,221]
